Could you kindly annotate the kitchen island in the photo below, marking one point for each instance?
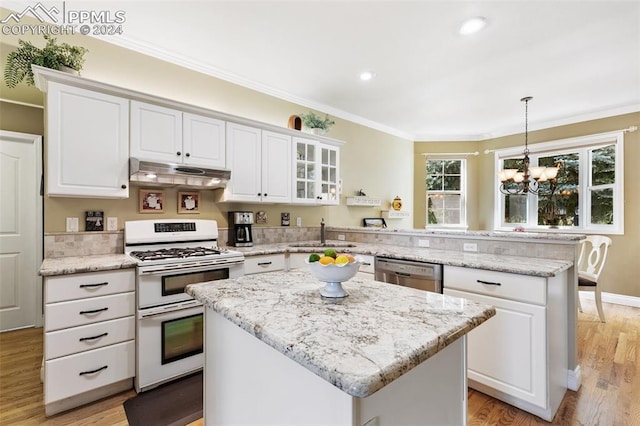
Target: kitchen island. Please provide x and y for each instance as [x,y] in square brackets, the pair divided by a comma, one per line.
[276,352]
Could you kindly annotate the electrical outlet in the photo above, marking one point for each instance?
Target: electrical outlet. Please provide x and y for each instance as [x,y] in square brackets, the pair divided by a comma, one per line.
[298,221]
[340,237]
[470,247]
[72,224]
[112,223]
[423,243]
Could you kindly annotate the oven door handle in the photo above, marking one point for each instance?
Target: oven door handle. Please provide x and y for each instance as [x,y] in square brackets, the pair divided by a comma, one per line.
[163,310]
[150,270]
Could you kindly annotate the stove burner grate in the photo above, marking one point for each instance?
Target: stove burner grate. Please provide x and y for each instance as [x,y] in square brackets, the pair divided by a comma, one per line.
[175,253]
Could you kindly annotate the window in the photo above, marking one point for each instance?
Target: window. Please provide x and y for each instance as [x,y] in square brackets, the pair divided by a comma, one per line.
[588,193]
[446,196]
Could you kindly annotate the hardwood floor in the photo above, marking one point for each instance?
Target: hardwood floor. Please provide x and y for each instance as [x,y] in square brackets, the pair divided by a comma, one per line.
[609,354]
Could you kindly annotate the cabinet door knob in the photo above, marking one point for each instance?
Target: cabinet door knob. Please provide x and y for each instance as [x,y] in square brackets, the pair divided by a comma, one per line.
[265,194]
[259,194]
[124,186]
[178,153]
[188,155]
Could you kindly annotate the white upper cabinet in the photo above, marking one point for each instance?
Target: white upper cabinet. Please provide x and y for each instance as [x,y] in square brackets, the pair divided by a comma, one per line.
[316,172]
[260,163]
[276,167]
[203,140]
[168,135]
[87,143]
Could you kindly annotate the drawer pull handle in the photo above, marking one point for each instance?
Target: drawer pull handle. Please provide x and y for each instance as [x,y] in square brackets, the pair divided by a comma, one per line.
[93,285]
[366,263]
[82,339]
[264,263]
[94,371]
[95,311]
[487,282]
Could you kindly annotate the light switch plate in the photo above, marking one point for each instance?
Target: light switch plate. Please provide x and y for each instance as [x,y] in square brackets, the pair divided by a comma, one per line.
[298,221]
[72,224]
[112,223]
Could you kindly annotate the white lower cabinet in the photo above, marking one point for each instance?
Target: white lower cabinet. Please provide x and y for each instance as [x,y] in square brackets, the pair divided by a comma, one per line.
[520,355]
[264,263]
[89,341]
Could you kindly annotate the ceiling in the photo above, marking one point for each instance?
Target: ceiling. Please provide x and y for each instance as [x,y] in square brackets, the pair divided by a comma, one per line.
[578,59]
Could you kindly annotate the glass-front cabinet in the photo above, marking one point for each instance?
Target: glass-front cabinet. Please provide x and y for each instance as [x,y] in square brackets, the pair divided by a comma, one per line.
[316,168]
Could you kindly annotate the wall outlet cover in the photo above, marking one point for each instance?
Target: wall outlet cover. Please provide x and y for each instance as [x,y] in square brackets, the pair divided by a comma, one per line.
[340,237]
[112,224]
[72,224]
[470,247]
[423,243]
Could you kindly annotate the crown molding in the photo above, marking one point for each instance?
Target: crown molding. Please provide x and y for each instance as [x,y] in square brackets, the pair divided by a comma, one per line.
[160,53]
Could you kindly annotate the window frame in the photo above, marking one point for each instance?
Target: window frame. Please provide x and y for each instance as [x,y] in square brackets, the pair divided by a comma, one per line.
[463,193]
[584,147]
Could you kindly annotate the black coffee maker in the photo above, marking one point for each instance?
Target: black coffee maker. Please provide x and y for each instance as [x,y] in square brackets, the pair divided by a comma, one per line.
[240,229]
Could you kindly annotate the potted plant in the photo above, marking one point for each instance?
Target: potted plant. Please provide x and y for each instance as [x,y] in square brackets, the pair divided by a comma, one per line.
[63,57]
[317,125]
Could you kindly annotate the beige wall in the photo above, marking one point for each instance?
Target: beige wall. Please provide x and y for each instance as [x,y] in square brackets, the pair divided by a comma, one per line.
[420,175]
[374,161]
[623,269]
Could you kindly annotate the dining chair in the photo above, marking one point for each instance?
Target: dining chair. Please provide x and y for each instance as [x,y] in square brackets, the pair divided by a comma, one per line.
[591,260]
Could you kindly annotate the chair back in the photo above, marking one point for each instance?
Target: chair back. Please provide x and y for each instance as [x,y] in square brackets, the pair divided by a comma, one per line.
[593,255]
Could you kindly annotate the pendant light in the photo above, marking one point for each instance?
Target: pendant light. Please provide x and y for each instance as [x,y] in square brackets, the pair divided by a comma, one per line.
[513,181]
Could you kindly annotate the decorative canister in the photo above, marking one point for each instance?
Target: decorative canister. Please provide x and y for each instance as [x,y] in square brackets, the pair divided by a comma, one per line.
[397,203]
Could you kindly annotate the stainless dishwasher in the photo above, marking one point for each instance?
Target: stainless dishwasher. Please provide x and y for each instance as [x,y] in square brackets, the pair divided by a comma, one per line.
[408,273]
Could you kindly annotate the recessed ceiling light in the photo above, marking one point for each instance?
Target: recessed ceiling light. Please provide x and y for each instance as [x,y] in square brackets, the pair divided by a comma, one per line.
[367,75]
[473,25]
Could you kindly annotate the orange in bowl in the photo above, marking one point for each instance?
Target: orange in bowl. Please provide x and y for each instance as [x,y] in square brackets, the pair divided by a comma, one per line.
[326,260]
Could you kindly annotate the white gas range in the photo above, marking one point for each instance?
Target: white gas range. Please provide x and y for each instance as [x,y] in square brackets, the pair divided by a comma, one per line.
[172,254]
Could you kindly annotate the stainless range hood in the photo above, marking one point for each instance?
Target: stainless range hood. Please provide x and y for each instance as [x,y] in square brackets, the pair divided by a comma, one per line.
[150,173]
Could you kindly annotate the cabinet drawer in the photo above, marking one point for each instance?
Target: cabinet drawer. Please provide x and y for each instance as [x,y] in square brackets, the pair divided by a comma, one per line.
[87,337]
[74,374]
[298,260]
[368,264]
[503,285]
[87,311]
[260,264]
[80,286]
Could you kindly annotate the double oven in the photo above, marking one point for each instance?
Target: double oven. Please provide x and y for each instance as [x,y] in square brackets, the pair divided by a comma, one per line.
[170,255]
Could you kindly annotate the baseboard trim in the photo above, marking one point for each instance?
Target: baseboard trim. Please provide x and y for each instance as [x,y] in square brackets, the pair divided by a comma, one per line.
[574,379]
[618,299]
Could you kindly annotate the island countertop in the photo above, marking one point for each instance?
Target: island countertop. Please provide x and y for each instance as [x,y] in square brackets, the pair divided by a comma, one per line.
[360,343]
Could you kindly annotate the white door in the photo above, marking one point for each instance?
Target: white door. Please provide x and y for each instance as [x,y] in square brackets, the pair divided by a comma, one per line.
[20,230]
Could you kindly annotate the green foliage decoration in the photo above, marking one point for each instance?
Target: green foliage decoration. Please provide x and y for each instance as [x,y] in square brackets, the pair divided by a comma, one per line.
[312,121]
[52,55]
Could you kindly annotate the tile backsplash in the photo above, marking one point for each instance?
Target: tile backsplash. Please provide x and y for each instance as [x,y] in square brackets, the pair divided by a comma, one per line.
[83,244]
[96,243]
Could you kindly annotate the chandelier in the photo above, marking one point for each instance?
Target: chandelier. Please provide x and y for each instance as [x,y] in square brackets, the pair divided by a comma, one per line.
[526,181]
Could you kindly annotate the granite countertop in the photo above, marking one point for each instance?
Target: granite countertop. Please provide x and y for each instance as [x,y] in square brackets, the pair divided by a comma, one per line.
[360,343]
[493,262]
[79,264]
